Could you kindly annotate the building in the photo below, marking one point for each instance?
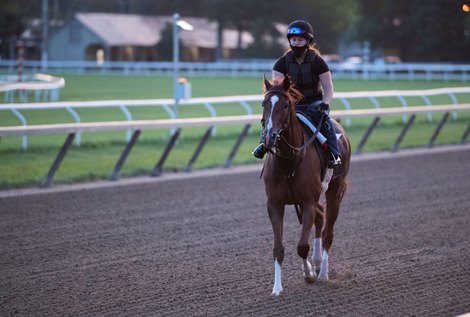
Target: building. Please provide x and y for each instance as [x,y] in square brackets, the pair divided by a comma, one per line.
[130,37]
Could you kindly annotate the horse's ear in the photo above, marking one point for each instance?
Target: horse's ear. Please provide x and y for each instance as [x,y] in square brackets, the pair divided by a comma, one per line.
[267,84]
[286,83]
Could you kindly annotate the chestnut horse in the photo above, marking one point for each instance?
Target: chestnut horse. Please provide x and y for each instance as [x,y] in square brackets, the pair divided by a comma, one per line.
[292,176]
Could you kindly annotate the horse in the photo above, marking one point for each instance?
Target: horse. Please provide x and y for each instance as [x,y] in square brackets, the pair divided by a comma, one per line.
[292,175]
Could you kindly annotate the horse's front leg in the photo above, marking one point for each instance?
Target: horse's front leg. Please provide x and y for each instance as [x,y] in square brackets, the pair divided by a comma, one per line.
[276,215]
[303,247]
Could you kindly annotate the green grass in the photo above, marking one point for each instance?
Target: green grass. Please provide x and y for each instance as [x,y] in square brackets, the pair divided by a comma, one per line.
[99,152]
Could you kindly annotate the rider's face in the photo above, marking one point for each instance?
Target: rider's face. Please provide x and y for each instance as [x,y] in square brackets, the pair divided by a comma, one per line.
[297,41]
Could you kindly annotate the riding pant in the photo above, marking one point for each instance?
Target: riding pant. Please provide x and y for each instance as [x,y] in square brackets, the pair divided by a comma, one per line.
[327,128]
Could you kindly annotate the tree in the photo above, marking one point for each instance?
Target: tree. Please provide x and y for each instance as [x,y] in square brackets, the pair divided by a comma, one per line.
[164,48]
[417,30]
[13,21]
[332,21]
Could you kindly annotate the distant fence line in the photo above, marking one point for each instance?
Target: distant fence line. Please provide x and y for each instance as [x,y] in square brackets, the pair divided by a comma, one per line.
[399,71]
[45,87]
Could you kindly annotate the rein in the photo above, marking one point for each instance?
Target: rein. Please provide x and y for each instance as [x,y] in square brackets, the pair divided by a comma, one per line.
[297,150]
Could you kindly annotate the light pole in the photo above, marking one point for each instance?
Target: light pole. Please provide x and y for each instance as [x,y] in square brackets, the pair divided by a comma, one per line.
[45,31]
[177,25]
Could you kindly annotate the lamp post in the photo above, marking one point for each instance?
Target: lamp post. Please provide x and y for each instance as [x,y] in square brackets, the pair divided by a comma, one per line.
[177,26]
[45,31]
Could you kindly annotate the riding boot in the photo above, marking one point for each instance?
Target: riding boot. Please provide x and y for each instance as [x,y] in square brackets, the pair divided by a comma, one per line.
[259,151]
[328,130]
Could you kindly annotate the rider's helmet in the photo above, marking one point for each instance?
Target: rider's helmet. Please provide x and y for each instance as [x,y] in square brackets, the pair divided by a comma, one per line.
[300,28]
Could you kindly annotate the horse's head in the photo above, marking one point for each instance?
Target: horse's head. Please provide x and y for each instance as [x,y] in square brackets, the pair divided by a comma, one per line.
[278,109]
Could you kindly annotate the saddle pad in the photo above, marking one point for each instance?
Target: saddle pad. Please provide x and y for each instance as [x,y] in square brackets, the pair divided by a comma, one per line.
[320,137]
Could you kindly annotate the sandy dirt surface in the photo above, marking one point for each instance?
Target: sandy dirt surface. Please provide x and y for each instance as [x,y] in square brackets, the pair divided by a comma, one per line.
[202,246]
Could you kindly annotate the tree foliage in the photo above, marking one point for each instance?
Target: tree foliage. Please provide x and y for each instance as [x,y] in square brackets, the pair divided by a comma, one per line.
[416,30]
[437,30]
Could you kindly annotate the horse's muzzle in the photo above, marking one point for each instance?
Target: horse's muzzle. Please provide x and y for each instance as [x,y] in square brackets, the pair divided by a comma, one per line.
[269,138]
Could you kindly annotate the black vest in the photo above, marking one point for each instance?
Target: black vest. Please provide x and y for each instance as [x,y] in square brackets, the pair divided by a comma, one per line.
[304,77]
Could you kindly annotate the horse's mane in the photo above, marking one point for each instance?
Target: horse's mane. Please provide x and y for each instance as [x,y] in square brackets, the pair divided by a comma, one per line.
[294,94]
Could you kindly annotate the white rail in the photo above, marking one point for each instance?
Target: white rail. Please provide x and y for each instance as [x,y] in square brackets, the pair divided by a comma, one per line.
[71,129]
[204,122]
[168,104]
[44,84]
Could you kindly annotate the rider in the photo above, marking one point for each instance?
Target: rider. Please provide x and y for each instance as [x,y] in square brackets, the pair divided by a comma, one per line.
[312,77]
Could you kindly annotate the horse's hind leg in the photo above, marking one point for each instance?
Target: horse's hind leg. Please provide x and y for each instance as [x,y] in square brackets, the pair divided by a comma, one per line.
[276,215]
[334,195]
[316,245]
[303,247]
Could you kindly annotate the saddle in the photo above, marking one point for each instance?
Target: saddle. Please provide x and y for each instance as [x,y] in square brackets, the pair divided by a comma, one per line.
[319,142]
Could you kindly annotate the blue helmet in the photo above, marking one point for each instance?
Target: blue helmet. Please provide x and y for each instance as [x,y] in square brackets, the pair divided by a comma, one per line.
[300,28]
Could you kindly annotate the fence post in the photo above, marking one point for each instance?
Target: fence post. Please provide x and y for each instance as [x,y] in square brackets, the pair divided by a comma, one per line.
[403,132]
[367,134]
[438,130]
[159,167]
[55,166]
[235,148]
[124,155]
[201,144]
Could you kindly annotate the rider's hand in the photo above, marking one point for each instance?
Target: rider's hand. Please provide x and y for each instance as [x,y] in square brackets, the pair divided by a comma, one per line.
[324,108]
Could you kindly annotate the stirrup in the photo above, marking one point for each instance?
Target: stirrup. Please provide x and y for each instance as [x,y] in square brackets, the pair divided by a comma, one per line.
[334,160]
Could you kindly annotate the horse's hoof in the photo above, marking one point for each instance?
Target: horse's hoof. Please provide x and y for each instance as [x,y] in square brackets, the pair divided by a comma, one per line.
[309,274]
[276,293]
[310,278]
[323,277]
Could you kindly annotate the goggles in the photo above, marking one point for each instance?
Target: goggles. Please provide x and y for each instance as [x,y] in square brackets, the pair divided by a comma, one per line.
[295,31]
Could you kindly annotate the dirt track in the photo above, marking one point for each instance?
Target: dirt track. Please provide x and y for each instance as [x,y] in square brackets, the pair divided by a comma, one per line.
[202,247]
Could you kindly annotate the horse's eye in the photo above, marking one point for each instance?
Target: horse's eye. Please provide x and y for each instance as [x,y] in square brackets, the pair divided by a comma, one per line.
[262,122]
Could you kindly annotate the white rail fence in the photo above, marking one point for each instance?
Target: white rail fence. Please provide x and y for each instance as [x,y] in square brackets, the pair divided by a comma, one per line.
[403,71]
[71,129]
[345,98]
[45,87]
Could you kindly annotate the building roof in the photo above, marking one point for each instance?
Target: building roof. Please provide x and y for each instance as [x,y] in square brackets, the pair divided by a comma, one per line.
[140,30]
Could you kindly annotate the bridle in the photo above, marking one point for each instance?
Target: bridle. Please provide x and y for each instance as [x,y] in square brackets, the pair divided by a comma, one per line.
[286,124]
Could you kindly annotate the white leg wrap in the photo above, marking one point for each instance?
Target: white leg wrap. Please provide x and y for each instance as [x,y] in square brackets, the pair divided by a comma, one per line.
[277,288]
[323,276]
[327,179]
[316,253]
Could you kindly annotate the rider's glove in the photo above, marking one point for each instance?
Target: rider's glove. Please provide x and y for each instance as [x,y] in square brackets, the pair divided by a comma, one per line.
[324,108]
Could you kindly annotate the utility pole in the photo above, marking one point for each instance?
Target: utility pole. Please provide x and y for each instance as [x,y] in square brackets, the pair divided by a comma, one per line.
[178,25]
[45,30]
